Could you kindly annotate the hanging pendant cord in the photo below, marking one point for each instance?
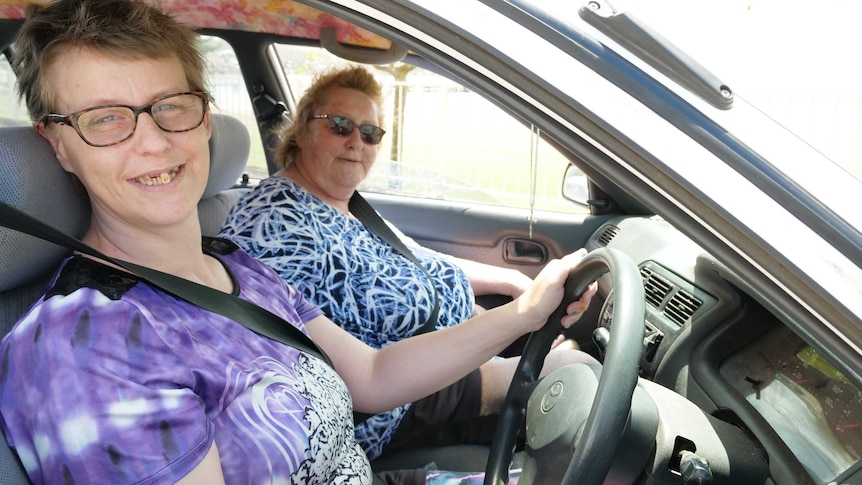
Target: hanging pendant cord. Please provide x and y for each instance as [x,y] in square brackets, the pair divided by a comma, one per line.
[534,166]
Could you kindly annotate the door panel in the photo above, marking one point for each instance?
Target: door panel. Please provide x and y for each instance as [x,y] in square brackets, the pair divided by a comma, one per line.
[493,235]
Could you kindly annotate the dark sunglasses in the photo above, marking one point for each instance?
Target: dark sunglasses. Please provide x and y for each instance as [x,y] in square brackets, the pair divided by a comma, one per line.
[344,126]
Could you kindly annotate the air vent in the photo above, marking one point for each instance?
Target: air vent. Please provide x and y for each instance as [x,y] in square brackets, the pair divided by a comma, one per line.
[607,234]
[682,306]
[656,288]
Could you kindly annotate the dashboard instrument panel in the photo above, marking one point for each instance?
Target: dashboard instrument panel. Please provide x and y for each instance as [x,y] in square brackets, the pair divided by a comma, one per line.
[806,400]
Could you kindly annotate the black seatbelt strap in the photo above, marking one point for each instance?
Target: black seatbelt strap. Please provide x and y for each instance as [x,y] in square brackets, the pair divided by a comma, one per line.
[366,214]
[256,318]
[270,114]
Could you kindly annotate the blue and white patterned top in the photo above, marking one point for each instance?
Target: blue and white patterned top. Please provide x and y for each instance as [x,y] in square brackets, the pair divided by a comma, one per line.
[108,380]
[351,274]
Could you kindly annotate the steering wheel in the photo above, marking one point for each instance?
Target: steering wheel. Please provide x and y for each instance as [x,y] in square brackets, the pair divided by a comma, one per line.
[599,436]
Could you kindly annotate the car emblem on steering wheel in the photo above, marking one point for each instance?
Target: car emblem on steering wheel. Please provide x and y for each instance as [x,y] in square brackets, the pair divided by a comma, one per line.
[552,396]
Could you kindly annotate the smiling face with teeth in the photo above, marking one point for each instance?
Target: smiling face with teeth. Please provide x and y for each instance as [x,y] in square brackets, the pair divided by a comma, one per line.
[150,182]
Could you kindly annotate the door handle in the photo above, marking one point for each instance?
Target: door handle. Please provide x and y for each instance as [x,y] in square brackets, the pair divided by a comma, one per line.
[517,250]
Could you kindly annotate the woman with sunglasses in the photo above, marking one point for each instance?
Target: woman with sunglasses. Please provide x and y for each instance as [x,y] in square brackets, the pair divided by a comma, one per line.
[299,222]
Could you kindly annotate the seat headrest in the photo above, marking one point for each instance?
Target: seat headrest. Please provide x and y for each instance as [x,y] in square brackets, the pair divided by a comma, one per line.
[32,180]
[229,149]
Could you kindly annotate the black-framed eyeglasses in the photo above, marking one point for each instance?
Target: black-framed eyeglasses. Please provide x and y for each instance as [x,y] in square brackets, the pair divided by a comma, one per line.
[110,124]
[344,126]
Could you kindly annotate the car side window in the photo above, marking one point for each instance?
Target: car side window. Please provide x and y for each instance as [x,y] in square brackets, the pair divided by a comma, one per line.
[450,143]
[13,112]
[227,88]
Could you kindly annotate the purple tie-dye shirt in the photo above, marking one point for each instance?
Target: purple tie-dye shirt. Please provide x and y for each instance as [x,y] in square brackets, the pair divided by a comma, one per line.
[107,380]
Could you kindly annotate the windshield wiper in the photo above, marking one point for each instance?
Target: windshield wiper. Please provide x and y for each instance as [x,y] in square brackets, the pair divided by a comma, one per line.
[648,45]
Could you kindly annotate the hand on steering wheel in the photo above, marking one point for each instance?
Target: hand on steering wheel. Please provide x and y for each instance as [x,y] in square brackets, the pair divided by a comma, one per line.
[603,427]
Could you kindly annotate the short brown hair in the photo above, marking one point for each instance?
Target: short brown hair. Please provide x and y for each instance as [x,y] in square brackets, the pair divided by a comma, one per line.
[354,77]
[122,28]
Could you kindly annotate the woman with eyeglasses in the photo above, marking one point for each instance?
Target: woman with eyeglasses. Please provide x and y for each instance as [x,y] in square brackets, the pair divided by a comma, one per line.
[108,379]
[299,221]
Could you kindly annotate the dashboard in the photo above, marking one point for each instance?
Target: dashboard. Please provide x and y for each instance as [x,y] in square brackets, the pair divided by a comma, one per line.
[814,409]
[770,372]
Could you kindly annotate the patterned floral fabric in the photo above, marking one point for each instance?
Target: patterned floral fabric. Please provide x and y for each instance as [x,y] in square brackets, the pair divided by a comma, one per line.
[107,380]
[348,272]
[285,17]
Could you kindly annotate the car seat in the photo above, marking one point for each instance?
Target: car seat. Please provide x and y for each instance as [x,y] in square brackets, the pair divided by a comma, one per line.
[32,180]
[229,149]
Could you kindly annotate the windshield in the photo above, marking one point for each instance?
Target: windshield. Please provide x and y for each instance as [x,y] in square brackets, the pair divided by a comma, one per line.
[789,58]
[784,64]
[737,158]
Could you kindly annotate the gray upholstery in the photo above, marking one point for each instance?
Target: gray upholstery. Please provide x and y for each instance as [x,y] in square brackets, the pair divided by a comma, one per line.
[229,149]
[213,211]
[32,180]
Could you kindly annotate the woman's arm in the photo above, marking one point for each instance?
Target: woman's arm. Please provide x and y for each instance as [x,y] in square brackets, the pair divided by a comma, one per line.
[487,279]
[416,367]
[207,471]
